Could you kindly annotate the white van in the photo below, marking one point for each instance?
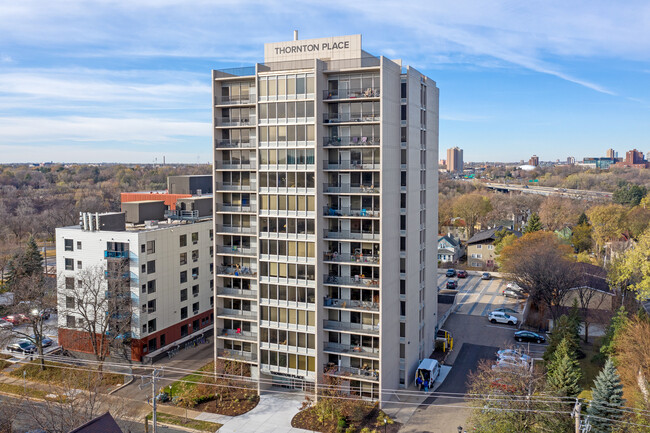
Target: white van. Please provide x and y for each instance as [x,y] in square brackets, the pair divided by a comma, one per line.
[427,373]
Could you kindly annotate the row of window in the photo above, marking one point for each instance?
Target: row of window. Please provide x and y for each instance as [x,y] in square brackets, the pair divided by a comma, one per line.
[68,244]
[286,179]
[287,156]
[286,85]
[288,360]
[288,315]
[288,293]
[288,248]
[287,270]
[286,110]
[300,203]
[288,338]
[300,226]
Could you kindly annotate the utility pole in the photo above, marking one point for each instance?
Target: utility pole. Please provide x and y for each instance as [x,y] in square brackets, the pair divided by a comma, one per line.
[576,414]
[152,379]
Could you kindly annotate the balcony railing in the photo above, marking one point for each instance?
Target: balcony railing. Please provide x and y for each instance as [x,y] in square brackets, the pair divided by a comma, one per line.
[230,187]
[347,326]
[351,235]
[227,291]
[368,92]
[231,121]
[348,188]
[229,312]
[227,207]
[328,211]
[370,352]
[357,281]
[238,251]
[234,165]
[351,165]
[238,355]
[115,275]
[236,229]
[234,144]
[350,303]
[351,141]
[238,334]
[240,272]
[234,100]
[350,117]
[358,373]
[108,254]
[350,258]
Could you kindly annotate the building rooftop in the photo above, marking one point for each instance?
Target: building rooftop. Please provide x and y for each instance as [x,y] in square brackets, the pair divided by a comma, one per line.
[488,235]
[154,225]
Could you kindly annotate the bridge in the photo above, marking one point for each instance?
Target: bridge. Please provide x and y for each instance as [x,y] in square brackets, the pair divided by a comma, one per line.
[579,194]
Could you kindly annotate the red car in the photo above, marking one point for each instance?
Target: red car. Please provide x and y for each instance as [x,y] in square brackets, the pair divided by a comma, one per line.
[16,319]
[461,274]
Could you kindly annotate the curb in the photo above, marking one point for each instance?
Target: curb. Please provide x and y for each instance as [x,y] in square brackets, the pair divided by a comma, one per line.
[124,385]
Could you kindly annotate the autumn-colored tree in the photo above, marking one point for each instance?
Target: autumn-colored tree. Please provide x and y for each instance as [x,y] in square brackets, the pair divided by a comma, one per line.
[581,238]
[607,222]
[558,212]
[471,208]
[632,355]
[542,266]
[638,219]
[631,271]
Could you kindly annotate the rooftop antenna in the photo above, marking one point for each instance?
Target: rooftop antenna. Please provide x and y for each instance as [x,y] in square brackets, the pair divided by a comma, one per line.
[295,35]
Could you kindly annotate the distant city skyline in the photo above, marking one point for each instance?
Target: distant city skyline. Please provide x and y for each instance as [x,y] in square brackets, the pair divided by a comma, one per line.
[128,82]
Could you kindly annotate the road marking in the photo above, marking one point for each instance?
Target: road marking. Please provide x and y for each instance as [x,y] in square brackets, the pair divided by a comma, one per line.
[467,295]
[480,295]
[489,305]
[512,328]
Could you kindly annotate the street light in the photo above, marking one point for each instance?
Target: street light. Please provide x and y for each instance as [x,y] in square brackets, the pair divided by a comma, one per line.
[385,424]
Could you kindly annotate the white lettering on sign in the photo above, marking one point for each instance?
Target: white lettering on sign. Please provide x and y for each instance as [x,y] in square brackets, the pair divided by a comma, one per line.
[305,48]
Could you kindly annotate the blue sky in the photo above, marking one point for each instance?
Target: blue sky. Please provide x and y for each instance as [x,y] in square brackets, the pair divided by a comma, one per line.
[129,81]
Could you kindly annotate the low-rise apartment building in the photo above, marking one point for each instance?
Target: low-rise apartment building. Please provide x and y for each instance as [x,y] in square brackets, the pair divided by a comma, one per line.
[480,247]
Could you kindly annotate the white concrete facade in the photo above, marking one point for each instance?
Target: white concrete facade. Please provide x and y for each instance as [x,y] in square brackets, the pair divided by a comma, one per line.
[326,175]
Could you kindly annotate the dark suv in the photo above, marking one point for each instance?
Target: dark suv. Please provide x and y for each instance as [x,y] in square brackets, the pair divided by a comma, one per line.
[452,285]
[451,273]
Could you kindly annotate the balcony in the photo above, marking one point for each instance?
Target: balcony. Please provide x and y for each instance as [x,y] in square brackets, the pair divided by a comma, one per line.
[233,187]
[237,229]
[351,165]
[229,207]
[236,165]
[236,100]
[237,334]
[347,212]
[363,351]
[237,314]
[351,372]
[353,141]
[239,293]
[350,304]
[356,93]
[356,281]
[360,328]
[237,251]
[231,121]
[351,235]
[348,188]
[116,275]
[237,355]
[350,258]
[350,117]
[108,254]
[235,144]
[237,272]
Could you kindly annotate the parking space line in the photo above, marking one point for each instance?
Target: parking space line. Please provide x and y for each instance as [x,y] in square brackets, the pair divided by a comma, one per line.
[480,295]
[489,305]
[467,295]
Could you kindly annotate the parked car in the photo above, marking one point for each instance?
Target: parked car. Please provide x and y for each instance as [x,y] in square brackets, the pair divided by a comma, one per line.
[511,293]
[451,273]
[452,285]
[513,286]
[5,324]
[498,317]
[513,354]
[22,346]
[47,342]
[506,310]
[16,319]
[461,274]
[486,276]
[512,366]
[529,336]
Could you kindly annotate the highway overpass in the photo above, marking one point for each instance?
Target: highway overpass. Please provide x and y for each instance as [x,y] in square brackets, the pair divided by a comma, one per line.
[580,194]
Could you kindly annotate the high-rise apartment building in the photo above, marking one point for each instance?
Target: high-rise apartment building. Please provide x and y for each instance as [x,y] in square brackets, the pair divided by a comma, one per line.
[325,181]
[611,153]
[455,160]
[534,161]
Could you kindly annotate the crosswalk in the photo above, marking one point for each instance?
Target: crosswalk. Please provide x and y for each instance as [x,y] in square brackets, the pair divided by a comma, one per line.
[478,297]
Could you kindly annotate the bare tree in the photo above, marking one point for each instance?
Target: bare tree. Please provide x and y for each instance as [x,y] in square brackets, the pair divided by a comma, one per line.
[100,301]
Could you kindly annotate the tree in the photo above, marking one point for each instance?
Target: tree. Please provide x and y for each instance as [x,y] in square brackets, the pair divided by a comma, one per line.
[631,271]
[101,305]
[617,324]
[564,372]
[607,399]
[638,219]
[565,331]
[581,238]
[629,194]
[582,219]
[472,207]
[589,302]
[25,264]
[533,224]
[608,222]
[541,266]
[558,212]
[632,355]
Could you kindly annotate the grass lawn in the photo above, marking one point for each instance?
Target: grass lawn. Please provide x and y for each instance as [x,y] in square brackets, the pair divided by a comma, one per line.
[59,374]
[193,377]
[589,369]
[189,423]
[20,390]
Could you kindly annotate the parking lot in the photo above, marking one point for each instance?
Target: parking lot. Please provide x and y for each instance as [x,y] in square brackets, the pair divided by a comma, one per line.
[8,336]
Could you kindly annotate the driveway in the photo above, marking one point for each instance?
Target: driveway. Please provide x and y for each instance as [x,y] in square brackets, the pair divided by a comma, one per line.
[478,297]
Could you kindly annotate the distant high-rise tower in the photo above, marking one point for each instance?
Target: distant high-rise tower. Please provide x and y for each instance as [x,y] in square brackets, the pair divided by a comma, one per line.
[571,160]
[534,160]
[611,153]
[455,160]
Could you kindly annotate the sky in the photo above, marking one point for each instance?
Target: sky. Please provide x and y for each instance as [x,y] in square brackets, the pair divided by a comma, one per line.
[129,81]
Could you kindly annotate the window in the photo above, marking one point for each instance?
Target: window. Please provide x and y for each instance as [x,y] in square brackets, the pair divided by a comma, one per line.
[152,325]
[70,322]
[69,264]
[212,301]
[69,283]
[402,308]
[69,244]
[195,325]
[143,248]
[151,306]
[151,286]
[195,291]
[183,240]
[144,328]
[195,255]
[479,246]
[69,302]
[79,264]
[144,288]
[151,247]
[183,259]
[183,313]
[183,276]
[151,267]
[490,247]
[78,245]
[195,308]
[195,273]
[402,329]
[195,237]
[183,295]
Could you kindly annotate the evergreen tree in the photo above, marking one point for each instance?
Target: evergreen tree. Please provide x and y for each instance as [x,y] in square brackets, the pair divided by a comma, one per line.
[533,224]
[564,373]
[563,328]
[582,219]
[618,322]
[607,399]
[32,261]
